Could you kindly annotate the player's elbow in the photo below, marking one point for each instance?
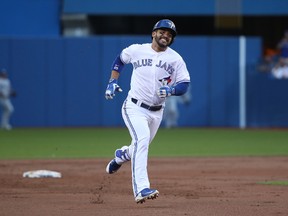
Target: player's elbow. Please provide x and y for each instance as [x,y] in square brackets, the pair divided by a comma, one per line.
[181,88]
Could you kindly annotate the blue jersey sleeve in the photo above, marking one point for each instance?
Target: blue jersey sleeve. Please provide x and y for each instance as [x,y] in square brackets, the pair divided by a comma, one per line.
[117,64]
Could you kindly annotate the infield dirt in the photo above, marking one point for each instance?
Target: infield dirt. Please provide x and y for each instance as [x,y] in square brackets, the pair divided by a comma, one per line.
[187,186]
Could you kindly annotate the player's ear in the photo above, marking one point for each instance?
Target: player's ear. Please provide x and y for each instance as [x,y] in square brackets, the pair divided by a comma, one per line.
[153,34]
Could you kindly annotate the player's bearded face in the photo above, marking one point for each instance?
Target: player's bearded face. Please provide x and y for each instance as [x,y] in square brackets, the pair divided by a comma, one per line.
[163,38]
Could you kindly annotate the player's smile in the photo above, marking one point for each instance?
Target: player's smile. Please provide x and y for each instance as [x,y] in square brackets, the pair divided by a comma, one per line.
[162,40]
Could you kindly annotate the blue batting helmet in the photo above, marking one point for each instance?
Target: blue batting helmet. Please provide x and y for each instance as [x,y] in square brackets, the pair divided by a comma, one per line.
[166,24]
[3,71]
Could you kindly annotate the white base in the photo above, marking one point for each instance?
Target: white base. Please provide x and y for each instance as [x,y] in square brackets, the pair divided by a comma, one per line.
[42,174]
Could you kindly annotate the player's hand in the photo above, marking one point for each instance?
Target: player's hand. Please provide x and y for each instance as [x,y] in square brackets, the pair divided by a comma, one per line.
[112,88]
[164,91]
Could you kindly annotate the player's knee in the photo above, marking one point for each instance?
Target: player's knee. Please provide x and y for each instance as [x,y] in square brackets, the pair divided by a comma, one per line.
[143,140]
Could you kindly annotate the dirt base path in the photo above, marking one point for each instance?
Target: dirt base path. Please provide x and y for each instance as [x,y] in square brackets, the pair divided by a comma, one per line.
[187,186]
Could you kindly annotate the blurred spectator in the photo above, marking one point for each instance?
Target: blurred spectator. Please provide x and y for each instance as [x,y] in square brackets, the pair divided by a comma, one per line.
[171,113]
[6,92]
[282,46]
[269,60]
[280,70]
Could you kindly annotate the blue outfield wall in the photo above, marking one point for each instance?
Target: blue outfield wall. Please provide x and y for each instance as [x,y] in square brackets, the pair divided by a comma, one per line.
[61,82]
[30,17]
[183,7]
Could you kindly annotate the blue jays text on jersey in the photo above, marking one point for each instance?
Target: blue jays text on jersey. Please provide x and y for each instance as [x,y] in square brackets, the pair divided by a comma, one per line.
[148,62]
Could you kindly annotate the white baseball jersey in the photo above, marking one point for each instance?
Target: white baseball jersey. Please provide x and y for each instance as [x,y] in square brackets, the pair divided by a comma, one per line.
[150,68]
[5,87]
[5,103]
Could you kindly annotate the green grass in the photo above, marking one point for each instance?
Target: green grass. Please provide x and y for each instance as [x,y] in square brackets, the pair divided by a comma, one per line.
[38,143]
[281,183]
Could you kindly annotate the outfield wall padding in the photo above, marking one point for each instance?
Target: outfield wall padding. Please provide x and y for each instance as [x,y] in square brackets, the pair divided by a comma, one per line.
[61,82]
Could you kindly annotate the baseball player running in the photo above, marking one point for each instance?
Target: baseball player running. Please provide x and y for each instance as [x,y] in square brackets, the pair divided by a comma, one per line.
[158,72]
[6,92]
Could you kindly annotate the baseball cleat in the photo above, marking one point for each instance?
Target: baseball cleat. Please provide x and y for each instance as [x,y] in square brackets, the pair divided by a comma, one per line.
[121,156]
[146,193]
[112,167]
